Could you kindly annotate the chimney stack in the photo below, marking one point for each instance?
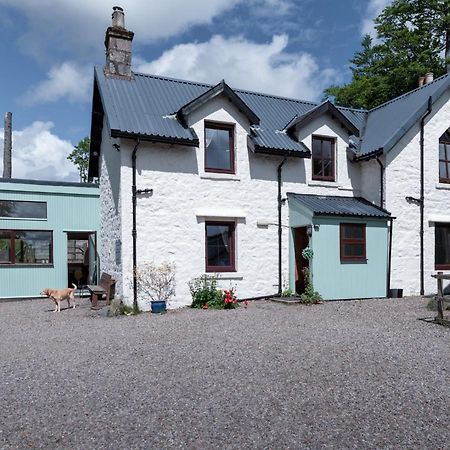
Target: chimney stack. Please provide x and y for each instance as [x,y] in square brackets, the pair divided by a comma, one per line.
[7,147]
[118,42]
[421,81]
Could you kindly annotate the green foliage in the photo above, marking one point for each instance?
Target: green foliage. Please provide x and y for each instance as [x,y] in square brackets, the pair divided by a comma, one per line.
[205,294]
[310,296]
[127,310]
[307,253]
[413,38]
[432,304]
[80,157]
[287,293]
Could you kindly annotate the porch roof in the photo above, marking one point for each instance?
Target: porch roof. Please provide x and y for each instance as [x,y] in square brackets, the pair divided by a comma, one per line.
[333,205]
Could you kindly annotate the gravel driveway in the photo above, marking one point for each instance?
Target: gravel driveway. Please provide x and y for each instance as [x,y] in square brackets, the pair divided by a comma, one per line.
[340,375]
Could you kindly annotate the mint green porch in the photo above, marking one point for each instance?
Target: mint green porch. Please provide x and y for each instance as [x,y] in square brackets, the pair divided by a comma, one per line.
[71,207]
[332,278]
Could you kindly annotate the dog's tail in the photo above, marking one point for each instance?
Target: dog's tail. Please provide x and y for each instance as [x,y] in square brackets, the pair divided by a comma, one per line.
[75,286]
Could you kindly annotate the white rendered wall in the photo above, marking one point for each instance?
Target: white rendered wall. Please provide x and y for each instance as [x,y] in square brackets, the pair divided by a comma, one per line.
[110,209]
[402,180]
[169,227]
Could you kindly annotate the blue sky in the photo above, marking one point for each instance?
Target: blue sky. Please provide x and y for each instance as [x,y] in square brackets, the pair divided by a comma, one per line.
[293,48]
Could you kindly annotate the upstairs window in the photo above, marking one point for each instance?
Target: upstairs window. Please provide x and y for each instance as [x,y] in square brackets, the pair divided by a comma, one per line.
[353,242]
[442,246]
[220,247]
[323,155]
[18,209]
[444,158]
[219,147]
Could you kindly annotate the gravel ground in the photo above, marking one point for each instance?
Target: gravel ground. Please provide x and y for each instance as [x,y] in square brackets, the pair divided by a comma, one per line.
[359,374]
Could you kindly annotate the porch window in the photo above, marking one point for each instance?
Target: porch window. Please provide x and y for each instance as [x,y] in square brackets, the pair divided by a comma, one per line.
[26,247]
[220,255]
[18,209]
[353,242]
[442,246]
[219,147]
[323,155]
[444,158]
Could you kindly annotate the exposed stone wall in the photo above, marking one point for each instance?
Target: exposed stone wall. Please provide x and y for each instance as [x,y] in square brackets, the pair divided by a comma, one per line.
[110,210]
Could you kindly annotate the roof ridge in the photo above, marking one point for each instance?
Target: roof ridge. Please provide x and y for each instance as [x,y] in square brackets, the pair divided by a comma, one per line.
[244,91]
[407,93]
[177,80]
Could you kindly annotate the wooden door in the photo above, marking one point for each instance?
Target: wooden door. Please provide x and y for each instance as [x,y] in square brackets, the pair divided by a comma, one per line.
[301,241]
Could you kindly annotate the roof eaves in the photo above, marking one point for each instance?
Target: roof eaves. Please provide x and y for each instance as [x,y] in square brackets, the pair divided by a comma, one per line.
[194,142]
[217,90]
[304,153]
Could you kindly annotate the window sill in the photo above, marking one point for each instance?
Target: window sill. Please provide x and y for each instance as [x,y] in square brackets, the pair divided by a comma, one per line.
[329,184]
[24,218]
[219,176]
[225,275]
[26,265]
[444,186]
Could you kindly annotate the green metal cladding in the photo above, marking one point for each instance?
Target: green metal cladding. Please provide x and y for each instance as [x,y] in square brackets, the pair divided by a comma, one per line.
[70,207]
[332,278]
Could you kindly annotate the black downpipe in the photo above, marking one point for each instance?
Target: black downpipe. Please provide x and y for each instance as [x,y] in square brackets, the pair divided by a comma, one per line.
[422,196]
[134,231]
[280,229]
[381,181]
[388,284]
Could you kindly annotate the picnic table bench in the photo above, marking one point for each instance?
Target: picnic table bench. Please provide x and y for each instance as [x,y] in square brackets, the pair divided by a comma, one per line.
[440,276]
[104,290]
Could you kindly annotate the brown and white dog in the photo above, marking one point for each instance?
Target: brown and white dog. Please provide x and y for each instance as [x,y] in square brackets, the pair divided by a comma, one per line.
[60,294]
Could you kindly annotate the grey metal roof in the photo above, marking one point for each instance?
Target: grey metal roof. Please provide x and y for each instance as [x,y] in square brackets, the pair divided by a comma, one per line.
[388,123]
[330,205]
[325,107]
[147,104]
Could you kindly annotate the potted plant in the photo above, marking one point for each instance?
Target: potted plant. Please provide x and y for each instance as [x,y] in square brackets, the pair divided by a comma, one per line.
[156,282]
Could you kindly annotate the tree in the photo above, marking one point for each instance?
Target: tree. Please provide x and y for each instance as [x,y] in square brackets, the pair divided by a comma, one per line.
[413,38]
[80,157]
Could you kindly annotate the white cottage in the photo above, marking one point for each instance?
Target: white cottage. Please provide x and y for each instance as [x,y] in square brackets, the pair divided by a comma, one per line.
[237,183]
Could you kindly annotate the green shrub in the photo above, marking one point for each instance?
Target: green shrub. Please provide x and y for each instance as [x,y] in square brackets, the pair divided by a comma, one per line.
[287,293]
[205,294]
[310,296]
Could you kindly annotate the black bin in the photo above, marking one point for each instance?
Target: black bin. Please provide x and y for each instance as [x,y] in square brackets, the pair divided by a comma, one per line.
[396,293]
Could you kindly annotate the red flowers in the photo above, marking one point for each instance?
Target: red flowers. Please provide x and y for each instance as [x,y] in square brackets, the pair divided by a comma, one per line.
[205,306]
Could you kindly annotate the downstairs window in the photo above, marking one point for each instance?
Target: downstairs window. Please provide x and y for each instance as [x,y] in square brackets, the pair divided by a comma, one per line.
[220,255]
[26,247]
[442,246]
[353,242]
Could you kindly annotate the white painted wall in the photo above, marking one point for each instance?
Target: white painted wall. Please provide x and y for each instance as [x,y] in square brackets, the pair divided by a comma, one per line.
[403,179]
[110,209]
[168,228]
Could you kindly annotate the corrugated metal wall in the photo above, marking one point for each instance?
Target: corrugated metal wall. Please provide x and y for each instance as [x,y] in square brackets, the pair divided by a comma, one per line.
[69,208]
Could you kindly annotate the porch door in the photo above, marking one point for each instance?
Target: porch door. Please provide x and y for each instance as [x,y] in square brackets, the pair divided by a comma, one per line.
[81,258]
[301,241]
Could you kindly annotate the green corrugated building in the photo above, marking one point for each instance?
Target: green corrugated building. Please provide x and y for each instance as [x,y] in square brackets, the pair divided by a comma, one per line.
[48,235]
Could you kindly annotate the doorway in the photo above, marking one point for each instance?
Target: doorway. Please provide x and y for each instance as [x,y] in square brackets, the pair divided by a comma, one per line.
[301,241]
[81,258]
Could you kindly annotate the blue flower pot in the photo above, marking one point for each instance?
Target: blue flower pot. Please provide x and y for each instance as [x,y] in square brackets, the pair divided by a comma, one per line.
[158,306]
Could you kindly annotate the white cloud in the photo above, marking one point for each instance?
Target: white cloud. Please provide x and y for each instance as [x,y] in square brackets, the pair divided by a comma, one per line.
[66,81]
[246,65]
[39,154]
[81,24]
[374,8]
